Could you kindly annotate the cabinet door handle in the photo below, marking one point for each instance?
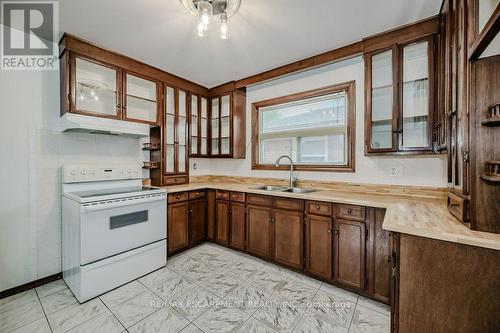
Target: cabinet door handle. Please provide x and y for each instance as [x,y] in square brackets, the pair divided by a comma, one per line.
[336,232]
[329,231]
[349,211]
[317,206]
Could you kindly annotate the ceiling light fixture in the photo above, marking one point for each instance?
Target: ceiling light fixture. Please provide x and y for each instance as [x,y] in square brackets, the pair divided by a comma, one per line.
[204,10]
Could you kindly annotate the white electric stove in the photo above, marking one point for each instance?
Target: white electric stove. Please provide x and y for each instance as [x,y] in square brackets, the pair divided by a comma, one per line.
[114,229]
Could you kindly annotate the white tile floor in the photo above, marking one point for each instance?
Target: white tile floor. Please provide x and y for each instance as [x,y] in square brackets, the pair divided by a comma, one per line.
[206,289]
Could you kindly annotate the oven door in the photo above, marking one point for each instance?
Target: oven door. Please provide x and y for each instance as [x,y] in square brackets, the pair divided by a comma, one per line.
[113,227]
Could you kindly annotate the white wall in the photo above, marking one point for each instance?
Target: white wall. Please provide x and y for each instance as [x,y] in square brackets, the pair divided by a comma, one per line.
[32,151]
[423,171]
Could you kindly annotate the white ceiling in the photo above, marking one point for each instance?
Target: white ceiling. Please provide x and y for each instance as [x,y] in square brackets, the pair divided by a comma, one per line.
[264,34]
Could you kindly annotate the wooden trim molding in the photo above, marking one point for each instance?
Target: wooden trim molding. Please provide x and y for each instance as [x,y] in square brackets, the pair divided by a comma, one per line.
[30,285]
[350,88]
[79,45]
[385,39]
[486,35]
[304,64]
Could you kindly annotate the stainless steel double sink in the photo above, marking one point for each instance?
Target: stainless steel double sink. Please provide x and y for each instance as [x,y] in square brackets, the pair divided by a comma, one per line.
[278,188]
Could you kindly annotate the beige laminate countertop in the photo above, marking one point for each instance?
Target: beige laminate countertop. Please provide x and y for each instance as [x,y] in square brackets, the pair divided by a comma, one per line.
[414,216]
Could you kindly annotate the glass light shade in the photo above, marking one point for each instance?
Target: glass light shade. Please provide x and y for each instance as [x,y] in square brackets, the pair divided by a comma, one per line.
[205,11]
[223,27]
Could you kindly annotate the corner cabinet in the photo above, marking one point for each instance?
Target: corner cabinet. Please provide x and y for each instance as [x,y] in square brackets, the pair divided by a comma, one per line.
[227,125]
[175,160]
[399,83]
[100,89]
[198,126]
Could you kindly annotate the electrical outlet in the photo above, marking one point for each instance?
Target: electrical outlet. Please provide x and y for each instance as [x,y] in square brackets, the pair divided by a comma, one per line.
[396,171]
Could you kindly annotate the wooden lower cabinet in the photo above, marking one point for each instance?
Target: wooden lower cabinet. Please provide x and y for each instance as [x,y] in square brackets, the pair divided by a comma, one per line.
[318,246]
[211,215]
[339,244]
[237,226]
[445,287]
[222,222]
[349,253]
[379,261]
[198,221]
[259,231]
[178,226]
[288,237]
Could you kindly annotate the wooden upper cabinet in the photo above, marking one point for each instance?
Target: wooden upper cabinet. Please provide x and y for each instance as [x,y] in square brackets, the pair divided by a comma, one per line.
[98,82]
[260,231]
[227,125]
[198,125]
[318,246]
[100,89]
[175,118]
[94,87]
[288,237]
[178,227]
[141,98]
[349,253]
[400,98]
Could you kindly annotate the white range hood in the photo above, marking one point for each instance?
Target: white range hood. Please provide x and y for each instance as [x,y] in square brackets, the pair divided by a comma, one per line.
[71,122]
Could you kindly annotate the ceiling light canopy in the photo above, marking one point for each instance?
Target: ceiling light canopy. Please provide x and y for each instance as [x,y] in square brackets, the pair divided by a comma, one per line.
[205,10]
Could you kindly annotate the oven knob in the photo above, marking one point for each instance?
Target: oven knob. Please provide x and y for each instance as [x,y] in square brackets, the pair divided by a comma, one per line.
[92,172]
[83,172]
[73,172]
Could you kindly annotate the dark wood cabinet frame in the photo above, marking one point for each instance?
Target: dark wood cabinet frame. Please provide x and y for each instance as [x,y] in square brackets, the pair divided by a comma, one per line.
[198,125]
[176,171]
[72,87]
[397,99]
[350,89]
[159,97]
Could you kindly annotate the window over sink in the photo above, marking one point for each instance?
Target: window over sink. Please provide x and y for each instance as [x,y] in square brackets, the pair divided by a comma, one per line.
[315,128]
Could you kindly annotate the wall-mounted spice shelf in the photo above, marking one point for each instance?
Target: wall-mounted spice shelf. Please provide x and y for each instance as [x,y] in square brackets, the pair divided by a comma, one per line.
[151,146]
[493,118]
[491,172]
[151,165]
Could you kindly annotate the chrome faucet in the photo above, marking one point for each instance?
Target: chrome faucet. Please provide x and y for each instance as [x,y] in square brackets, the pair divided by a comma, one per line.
[292,178]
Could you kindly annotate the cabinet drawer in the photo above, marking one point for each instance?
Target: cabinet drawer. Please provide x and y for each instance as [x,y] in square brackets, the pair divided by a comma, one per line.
[352,212]
[456,206]
[175,180]
[289,204]
[260,200]
[197,195]
[237,196]
[177,197]
[319,208]
[224,195]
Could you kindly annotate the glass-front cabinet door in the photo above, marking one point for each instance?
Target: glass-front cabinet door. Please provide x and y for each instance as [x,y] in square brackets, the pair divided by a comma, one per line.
[198,126]
[96,88]
[381,103]
[193,126]
[181,132]
[215,133]
[140,98]
[400,98]
[204,127]
[225,125]
[174,133]
[415,97]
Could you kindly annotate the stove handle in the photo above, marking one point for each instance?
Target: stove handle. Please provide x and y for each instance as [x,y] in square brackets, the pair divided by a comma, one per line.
[108,204]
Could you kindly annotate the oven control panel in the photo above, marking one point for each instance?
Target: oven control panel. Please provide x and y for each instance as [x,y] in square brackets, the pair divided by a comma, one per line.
[94,173]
